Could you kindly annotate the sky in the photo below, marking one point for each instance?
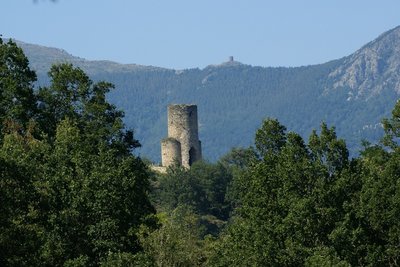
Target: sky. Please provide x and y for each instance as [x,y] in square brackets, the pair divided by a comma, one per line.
[182,34]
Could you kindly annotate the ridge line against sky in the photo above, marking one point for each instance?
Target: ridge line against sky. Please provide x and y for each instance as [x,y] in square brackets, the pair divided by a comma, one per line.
[181,34]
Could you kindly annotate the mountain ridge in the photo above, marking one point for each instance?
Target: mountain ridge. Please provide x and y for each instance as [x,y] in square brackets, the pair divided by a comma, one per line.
[40,61]
[65,56]
[352,93]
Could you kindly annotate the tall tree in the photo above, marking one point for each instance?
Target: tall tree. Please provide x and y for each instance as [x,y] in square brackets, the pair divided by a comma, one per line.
[71,190]
[17,100]
[73,95]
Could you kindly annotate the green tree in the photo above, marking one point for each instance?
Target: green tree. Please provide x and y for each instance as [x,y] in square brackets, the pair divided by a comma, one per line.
[17,100]
[96,199]
[178,242]
[203,187]
[21,231]
[270,138]
[72,193]
[328,150]
[73,95]
[290,201]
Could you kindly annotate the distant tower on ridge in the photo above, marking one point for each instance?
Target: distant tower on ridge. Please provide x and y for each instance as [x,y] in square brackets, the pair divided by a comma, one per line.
[231,59]
[182,145]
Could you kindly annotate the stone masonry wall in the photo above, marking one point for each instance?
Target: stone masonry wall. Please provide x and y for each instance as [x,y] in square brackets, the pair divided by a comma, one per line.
[170,152]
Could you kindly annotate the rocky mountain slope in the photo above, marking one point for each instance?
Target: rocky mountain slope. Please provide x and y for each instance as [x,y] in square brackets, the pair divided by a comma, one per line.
[372,69]
[353,94]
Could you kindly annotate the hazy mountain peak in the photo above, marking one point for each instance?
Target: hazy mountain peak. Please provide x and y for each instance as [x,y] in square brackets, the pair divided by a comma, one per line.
[229,63]
[371,69]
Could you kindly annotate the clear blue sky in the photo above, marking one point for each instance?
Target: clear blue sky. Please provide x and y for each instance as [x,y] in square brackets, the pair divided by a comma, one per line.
[187,33]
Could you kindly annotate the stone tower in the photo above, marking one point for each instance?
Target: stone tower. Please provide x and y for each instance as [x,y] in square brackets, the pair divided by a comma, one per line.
[182,145]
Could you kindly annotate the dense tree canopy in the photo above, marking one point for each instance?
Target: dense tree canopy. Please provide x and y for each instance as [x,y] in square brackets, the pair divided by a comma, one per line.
[71,191]
[311,205]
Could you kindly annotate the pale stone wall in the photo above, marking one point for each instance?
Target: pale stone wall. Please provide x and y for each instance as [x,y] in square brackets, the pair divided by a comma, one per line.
[170,152]
[182,127]
[159,169]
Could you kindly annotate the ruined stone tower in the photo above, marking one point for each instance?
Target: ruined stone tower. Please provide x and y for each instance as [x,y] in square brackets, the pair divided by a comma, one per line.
[182,145]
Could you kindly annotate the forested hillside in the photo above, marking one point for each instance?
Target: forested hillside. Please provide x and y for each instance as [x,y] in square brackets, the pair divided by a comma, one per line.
[353,93]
